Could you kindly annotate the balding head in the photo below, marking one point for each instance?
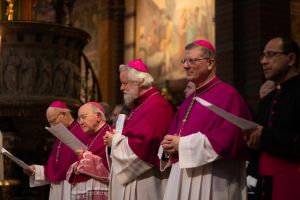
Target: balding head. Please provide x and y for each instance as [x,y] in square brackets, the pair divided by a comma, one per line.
[59,115]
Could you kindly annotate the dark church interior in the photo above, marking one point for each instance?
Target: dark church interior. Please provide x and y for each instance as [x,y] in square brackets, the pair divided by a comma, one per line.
[70,50]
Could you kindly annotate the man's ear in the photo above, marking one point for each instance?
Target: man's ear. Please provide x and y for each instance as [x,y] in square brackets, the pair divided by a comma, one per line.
[292,59]
[99,115]
[141,82]
[211,64]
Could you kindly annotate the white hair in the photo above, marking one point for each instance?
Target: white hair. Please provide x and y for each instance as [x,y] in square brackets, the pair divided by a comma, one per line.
[135,75]
[95,109]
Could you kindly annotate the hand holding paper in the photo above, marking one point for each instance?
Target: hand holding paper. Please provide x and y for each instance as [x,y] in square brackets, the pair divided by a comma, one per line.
[16,160]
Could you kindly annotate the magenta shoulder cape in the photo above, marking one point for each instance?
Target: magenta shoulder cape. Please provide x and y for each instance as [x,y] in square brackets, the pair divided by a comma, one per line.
[225,138]
[147,124]
[62,157]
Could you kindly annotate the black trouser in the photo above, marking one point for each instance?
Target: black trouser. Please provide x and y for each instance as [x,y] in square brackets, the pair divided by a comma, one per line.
[264,188]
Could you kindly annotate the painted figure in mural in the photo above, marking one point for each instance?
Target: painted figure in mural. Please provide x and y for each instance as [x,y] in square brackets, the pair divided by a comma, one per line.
[61,157]
[278,137]
[207,153]
[90,175]
[142,43]
[135,165]
[166,44]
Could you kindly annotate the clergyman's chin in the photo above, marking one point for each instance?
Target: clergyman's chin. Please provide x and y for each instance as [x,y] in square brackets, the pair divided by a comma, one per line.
[128,100]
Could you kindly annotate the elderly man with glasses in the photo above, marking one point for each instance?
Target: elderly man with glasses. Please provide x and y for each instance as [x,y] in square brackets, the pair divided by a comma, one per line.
[89,175]
[278,138]
[61,157]
[206,152]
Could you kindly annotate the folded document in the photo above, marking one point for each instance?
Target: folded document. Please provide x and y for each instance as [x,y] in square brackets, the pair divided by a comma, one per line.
[238,121]
[64,135]
[16,160]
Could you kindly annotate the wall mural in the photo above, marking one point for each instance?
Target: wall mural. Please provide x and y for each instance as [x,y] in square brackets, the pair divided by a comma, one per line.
[164,27]
[295,20]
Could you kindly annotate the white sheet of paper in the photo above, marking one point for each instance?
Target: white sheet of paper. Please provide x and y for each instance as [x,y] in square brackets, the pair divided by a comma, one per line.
[120,123]
[160,152]
[64,135]
[16,160]
[238,121]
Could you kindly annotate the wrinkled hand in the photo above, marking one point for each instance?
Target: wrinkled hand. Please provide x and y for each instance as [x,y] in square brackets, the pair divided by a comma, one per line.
[252,137]
[170,143]
[29,172]
[108,137]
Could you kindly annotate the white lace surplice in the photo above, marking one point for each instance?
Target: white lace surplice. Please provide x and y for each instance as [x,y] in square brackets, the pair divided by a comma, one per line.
[131,177]
[201,174]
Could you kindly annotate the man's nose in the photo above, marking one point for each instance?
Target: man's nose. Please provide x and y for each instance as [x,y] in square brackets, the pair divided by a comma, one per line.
[263,60]
[186,65]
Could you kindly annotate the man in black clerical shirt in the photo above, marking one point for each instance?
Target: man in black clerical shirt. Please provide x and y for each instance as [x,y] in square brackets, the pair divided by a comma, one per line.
[278,137]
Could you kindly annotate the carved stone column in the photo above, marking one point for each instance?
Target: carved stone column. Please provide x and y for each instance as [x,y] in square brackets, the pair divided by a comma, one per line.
[112,49]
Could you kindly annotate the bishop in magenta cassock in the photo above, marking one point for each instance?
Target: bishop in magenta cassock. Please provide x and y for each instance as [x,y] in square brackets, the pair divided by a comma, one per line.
[61,157]
[205,151]
[89,176]
[135,165]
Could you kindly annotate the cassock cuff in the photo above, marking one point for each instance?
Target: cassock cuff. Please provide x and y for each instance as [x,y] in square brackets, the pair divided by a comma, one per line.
[195,150]
[38,179]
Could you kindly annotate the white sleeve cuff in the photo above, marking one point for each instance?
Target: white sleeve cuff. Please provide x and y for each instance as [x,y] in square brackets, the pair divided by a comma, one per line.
[125,163]
[251,181]
[38,179]
[195,150]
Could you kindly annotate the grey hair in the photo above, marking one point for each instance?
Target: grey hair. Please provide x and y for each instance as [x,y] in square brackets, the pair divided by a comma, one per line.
[97,110]
[207,52]
[135,75]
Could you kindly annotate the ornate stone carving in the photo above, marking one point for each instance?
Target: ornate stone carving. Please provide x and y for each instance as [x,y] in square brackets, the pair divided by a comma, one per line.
[39,62]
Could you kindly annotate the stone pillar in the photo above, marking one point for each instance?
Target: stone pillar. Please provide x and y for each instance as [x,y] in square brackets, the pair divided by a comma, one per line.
[242,29]
[111,43]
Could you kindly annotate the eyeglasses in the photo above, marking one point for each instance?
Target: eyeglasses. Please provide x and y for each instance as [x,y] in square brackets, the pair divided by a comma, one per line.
[271,54]
[192,61]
